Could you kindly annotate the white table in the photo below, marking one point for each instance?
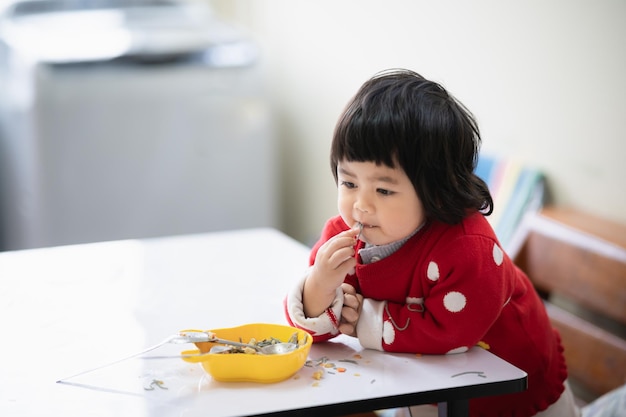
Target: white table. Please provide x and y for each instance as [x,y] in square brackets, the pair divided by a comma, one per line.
[67,309]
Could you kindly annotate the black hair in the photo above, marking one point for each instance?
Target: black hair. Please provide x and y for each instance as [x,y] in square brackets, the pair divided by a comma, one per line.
[399,117]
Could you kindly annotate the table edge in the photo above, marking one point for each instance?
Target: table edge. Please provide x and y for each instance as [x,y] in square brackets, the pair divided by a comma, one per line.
[404,400]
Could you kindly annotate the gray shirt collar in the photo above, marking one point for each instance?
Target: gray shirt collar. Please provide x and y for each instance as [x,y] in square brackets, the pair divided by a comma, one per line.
[372,253]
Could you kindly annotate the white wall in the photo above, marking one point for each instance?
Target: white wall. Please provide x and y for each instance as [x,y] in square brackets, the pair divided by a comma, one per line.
[546,80]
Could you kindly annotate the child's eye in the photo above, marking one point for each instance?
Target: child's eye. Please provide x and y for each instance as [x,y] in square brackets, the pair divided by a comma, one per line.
[384,192]
[348,184]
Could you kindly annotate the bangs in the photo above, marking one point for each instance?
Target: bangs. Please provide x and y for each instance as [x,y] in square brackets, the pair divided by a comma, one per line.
[365,134]
[361,140]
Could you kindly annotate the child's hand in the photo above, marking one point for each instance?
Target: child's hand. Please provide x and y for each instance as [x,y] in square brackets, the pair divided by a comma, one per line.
[334,260]
[351,310]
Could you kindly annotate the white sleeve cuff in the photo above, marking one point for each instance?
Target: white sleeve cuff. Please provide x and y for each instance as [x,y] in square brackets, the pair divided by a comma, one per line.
[369,328]
[321,325]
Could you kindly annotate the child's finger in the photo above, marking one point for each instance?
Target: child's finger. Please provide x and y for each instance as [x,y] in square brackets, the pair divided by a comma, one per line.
[347,328]
[341,256]
[349,315]
[351,301]
[352,232]
[348,289]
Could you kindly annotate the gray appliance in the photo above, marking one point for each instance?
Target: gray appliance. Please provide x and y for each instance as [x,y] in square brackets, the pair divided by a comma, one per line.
[127,120]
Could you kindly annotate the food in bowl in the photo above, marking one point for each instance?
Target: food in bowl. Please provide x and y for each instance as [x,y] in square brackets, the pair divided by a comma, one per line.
[253,367]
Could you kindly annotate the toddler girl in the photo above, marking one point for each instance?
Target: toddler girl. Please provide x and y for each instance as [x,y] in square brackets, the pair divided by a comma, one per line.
[410,264]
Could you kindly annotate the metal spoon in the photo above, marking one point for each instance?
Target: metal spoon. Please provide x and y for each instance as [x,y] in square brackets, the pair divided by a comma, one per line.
[276,348]
[358,237]
[279,348]
[232,343]
[273,349]
[195,337]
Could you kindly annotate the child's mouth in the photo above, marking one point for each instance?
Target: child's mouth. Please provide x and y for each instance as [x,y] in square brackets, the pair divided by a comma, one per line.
[362,226]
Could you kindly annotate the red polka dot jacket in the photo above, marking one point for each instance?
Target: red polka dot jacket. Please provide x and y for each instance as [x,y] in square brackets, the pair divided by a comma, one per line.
[448,288]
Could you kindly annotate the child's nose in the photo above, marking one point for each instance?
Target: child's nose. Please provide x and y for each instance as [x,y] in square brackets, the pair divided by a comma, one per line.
[363,205]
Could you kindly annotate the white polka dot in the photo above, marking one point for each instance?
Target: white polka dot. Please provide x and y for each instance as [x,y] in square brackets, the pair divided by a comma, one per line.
[454,301]
[498,255]
[460,349]
[433,271]
[389,333]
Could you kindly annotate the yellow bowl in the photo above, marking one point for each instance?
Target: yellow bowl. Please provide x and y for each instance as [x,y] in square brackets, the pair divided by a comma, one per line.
[240,367]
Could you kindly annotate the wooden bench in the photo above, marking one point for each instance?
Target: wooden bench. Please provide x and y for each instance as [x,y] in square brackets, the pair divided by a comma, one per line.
[577,262]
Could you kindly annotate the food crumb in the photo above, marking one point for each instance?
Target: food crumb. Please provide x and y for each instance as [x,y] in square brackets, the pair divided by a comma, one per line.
[155,383]
[341,369]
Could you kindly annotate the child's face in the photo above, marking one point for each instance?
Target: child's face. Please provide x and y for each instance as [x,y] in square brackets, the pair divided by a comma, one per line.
[381,198]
